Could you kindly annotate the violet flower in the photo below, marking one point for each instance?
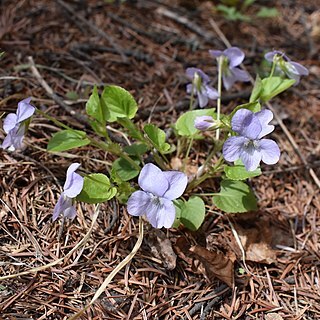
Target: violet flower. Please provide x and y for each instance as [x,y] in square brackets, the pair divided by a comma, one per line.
[15,125]
[203,123]
[159,188]
[248,145]
[200,87]
[232,57]
[72,187]
[292,70]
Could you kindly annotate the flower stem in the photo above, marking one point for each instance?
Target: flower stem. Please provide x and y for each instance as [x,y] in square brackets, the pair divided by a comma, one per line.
[124,262]
[192,97]
[187,154]
[220,62]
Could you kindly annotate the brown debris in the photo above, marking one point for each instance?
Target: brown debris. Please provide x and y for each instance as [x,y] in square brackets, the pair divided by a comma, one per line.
[145,47]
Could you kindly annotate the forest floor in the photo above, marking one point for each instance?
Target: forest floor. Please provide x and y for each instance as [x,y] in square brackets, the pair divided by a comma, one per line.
[145,47]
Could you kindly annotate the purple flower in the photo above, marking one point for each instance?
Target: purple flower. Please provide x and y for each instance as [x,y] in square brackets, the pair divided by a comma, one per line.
[200,87]
[159,188]
[72,187]
[15,125]
[203,123]
[248,145]
[232,57]
[293,70]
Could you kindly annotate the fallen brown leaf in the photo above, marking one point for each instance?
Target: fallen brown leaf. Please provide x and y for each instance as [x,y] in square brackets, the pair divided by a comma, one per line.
[216,264]
[161,248]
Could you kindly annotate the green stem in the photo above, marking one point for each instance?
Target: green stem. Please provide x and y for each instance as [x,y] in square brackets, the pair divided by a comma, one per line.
[192,97]
[272,69]
[104,146]
[220,62]
[54,120]
[187,154]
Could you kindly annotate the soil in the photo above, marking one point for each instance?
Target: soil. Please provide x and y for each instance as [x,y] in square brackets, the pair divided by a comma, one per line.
[145,47]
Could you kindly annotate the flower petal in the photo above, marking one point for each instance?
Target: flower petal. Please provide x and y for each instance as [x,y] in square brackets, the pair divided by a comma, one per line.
[251,158]
[189,88]
[74,182]
[228,80]
[216,53]
[203,123]
[9,122]
[240,75]
[177,184]
[63,203]
[232,148]
[190,72]
[152,179]
[14,138]
[270,55]
[235,56]
[25,110]
[138,203]
[202,98]
[270,151]
[264,117]
[246,124]
[162,215]
[300,69]
[70,212]
[211,93]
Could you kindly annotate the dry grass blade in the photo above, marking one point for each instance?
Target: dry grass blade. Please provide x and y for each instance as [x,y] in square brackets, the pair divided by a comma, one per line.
[79,245]
[124,262]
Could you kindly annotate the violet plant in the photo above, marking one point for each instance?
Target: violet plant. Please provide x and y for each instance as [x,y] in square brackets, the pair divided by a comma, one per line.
[239,139]
[238,145]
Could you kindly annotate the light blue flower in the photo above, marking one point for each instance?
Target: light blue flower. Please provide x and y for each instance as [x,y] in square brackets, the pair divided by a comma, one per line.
[159,188]
[292,70]
[249,145]
[232,57]
[72,187]
[200,86]
[15,125]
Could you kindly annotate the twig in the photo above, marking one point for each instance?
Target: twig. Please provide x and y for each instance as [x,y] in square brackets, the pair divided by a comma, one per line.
[94,28]
[186,22]
[276,116]
[53,95]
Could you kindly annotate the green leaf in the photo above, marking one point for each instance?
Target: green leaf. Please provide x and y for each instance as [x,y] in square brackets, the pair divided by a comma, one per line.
[119,103]
[96,189]
[124,169]
[133,131]
[185,123]
[94,107]
[234,197]
[136,149]
[98,127]
[256,90]
[190,213]
[273,86]
[265,12]
[252,106]
[232,14]
[239,172]
[157,138]
[67,139]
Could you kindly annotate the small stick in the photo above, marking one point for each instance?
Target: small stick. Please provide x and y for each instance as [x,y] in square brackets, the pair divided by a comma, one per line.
[94,28]
[51,94]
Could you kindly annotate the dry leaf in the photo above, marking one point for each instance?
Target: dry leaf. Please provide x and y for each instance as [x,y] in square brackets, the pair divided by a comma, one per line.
[216,264]
[161,248]
[273,316]
[259,236]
